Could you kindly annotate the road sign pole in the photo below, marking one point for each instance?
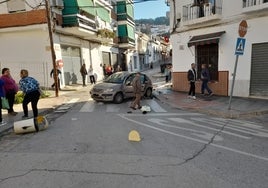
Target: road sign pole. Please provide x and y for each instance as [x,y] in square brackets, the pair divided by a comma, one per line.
[233,83]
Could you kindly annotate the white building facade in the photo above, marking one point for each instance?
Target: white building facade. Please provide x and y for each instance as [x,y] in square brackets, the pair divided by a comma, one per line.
[78,38]
[206,32]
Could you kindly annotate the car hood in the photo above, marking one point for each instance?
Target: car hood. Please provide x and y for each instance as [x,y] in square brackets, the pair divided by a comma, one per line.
[105,85]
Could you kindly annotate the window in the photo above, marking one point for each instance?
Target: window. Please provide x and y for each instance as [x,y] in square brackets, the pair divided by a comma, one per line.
[15,5]
[208,54]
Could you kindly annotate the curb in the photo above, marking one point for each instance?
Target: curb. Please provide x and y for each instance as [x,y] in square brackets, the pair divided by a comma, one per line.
[223,114]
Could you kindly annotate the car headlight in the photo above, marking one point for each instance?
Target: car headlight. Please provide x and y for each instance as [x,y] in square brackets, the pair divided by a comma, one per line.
[108,90]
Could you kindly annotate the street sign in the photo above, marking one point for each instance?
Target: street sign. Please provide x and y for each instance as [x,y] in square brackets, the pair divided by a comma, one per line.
[242,29]
[240,46]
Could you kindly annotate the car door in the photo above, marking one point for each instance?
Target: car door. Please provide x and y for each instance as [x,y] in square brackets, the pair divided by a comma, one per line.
[128,88]
[143,79]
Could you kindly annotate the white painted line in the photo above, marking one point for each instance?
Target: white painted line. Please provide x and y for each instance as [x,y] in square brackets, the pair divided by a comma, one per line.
[88,107]
[201,134]
[155,106]
[195,140]
[112,108]
[245,130]
[162,114]
[180,120]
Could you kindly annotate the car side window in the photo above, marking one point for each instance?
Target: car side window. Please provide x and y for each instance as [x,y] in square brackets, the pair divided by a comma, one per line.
[142,78]
[130,79]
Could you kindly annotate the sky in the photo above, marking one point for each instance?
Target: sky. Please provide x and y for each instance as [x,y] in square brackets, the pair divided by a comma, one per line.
[150,9]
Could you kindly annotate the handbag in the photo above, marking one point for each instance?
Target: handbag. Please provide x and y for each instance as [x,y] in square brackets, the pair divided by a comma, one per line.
[5,104]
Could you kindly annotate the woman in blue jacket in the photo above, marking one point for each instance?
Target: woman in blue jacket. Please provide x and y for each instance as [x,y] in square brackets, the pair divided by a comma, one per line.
[2,94]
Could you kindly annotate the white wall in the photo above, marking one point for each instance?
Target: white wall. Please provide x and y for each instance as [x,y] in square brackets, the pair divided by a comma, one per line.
[26,49]
[256,34]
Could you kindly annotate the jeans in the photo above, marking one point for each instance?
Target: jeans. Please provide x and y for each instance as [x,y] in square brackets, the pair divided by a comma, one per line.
[32,97]
[10,97]
[205,87]
[192,89]
[137,101]
[92,79]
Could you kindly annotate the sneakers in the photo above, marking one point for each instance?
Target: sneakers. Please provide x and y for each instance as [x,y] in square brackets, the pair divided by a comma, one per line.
[25,117]
[3,123]
[191,97]
[210,94]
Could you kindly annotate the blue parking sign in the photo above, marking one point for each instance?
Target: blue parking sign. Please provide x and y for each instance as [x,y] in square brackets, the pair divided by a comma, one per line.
[240,46]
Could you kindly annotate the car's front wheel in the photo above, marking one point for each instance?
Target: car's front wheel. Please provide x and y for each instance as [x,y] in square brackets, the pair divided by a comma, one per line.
[118,98]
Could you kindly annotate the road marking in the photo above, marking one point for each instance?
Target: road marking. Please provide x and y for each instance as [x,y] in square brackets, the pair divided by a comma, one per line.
[155,106]
[88,107]
[180,120]
[237,127]
[194,139]
[162,114]
[197,133]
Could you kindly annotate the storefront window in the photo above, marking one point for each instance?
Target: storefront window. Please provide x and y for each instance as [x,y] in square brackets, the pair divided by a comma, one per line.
[208,54]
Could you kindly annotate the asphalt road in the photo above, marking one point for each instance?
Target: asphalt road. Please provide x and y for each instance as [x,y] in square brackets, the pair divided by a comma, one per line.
[86,145]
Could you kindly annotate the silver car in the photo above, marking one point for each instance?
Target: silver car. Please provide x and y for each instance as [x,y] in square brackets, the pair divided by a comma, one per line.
[118,87]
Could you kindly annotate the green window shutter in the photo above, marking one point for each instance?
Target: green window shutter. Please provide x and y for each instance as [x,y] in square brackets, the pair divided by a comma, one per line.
[130,10]
[121,7]
[70,7]
[131,32]
[103,13]
[87,6]
[122,30]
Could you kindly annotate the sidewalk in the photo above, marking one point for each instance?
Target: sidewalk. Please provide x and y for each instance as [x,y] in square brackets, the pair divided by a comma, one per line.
[214,105]
[45,106]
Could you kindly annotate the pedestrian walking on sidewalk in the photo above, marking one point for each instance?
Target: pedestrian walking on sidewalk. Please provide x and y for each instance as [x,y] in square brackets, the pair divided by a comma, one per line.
[136,83]
[167,73]
[91,75]
[58,77]
[30,87]
[83,72]
[2,94]
[192,77]
[10,89]
[205,77]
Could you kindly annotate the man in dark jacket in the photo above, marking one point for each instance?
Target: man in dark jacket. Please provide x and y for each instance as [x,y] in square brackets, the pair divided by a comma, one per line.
[136,83]
[205,77]
[52,76]
[192,77]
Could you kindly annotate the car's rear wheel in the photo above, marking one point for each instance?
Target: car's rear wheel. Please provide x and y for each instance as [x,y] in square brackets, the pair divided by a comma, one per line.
[118,98]
[149,93]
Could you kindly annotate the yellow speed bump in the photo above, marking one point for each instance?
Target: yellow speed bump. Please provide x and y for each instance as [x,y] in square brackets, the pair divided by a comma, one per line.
[134,136]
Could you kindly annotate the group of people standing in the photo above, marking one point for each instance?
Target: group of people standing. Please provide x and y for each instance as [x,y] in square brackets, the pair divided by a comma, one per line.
[205,78]
[84,73]
[28,85]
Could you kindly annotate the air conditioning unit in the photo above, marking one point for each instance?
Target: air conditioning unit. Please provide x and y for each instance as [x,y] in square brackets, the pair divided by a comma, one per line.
[57,4]
[178,16]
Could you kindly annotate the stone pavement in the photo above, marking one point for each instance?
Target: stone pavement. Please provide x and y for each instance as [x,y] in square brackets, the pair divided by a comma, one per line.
[214,105]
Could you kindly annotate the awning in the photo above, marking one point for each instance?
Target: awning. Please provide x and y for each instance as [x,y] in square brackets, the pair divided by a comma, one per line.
[205,39]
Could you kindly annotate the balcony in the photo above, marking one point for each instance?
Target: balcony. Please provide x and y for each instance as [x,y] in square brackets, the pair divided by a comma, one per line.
[254,5]
[203,12]
[126,42]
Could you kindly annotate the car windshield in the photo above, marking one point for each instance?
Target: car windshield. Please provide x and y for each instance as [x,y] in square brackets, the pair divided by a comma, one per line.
[116,78]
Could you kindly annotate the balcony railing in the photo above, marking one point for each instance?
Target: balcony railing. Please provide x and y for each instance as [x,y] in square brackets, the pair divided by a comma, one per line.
[250,3]
[79,20]
[195,11]
[125,40]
